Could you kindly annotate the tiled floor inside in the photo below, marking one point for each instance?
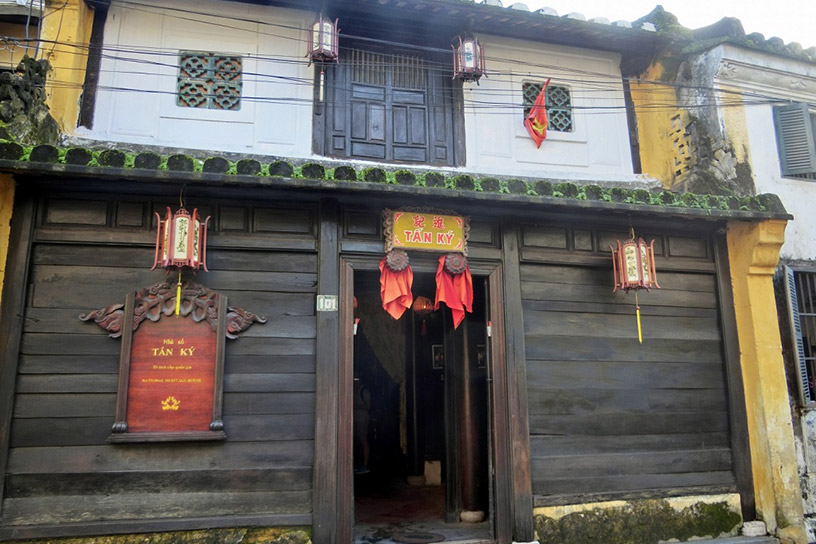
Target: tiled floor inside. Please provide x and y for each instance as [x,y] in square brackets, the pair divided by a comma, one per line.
[388,511]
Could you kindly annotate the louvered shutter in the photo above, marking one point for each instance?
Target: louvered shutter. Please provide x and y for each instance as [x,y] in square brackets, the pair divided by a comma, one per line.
[796,328]
[795,139]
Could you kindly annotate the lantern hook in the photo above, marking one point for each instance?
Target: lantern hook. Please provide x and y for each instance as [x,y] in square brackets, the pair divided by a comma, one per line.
[181,195]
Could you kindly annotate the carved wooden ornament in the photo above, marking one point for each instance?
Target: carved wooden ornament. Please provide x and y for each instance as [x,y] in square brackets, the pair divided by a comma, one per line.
[171,368]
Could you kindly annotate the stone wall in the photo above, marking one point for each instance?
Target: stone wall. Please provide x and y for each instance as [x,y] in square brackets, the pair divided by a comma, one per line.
[209,536]
[641,521]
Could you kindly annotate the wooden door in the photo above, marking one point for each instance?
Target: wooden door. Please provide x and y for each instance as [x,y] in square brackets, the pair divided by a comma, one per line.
[388,107]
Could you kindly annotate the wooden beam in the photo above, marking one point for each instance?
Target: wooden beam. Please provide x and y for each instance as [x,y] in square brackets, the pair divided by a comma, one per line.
[517,388]
[738,418]
[12,314]
[345,444]
[89,87]
[325,513]
[502,463]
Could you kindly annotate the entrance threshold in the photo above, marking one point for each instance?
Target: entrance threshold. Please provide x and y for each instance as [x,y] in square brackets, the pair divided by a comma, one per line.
[413,532]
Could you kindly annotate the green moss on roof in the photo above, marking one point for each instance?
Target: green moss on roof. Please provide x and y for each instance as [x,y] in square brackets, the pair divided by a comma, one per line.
[546,189]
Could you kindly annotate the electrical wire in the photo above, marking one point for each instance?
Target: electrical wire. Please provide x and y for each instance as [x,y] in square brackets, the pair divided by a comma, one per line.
[584,82]
[586,86]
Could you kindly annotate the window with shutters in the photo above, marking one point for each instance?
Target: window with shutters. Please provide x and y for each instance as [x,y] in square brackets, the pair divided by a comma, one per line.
[209,80]
[558,102]
[800,291]
[386,106]
[796,140]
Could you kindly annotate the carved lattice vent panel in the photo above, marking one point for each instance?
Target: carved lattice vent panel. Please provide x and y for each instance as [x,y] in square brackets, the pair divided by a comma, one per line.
[682,143]
[210,81]
[558,101]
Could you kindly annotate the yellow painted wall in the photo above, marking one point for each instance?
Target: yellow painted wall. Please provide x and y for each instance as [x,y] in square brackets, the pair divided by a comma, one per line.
[6,205]
[753,250]
[66,32]
[11,56]
[654,115]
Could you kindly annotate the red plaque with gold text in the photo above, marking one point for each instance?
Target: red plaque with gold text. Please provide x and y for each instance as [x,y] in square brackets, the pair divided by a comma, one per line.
[172,365]
[172,372]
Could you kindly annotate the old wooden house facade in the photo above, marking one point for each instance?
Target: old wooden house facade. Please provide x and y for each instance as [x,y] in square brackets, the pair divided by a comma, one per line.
[541,407]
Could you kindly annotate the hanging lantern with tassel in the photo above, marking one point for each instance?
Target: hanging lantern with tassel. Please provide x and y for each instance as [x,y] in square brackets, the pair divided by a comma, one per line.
[468,59]
[634,269]
[324,40]
[422,307]
[181,242]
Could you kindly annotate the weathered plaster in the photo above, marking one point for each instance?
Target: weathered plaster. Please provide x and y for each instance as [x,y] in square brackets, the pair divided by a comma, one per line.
[754,253]
[6,205]
[654,124]
[647,521]
[688,142]
[677,503]
[66,33]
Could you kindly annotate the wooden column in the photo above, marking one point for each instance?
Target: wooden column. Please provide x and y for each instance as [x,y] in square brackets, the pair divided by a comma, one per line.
[736,391]
[325,517]
[468,425]
[416,453]
[12,315]
[502,463]
[516,392]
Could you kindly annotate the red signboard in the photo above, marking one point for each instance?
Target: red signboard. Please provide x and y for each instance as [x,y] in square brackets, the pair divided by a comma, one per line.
[172,373]
[171,369]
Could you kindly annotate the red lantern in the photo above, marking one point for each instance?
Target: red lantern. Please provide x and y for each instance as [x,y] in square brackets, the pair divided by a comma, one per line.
[181,241]
[422,306]
[634,268]
[468,59]
[323,41]
[633,264]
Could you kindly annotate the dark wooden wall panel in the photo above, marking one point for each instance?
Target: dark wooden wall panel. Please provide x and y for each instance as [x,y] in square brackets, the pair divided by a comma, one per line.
[608,415]
[61,469]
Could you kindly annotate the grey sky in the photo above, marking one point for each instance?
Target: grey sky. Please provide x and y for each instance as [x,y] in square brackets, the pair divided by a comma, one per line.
[791,20]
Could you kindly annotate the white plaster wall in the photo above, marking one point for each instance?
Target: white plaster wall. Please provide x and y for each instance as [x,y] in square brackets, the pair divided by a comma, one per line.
[797,195]
[136,100]
[498,143]
[763,76]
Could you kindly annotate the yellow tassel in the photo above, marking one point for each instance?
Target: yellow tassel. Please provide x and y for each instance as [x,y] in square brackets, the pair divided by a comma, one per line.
[178,295]
[640,330]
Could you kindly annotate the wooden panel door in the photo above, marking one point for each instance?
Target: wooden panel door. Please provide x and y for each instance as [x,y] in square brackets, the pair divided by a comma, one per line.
[388,107]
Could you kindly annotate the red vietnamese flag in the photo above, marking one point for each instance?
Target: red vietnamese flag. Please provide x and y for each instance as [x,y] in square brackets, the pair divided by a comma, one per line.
[536,121]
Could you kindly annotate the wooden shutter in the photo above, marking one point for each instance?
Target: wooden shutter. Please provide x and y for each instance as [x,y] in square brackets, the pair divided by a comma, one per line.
[795,139]
[389,107]
[796,329]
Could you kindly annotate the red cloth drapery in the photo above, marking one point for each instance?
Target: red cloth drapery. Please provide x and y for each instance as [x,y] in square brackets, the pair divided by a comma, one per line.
[536,121]
[395,289]
[456,291]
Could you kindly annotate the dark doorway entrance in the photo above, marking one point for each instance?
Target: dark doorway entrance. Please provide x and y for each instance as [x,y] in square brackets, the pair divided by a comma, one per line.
[421,417]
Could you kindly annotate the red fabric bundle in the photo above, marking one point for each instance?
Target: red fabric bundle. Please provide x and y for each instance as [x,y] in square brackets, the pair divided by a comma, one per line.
[456,291]
[395,289]
[536,121]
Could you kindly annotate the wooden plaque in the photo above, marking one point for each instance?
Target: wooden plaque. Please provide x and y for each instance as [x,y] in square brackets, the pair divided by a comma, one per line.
[425,230]
[171,366]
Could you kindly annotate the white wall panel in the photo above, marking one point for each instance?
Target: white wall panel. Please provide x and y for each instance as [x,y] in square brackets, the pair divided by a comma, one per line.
[137,97]
[498,143]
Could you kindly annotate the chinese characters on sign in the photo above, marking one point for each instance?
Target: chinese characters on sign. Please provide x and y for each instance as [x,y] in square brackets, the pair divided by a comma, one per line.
[428,231]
